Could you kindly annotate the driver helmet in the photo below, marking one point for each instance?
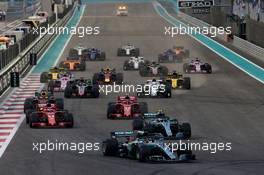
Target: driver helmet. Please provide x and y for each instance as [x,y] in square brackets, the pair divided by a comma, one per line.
[64,75]
[49,105]
[43,94]
[127,97]
[160,112]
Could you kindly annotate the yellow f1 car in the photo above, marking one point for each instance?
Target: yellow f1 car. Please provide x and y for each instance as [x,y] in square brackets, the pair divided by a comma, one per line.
[178,81]
[54,73]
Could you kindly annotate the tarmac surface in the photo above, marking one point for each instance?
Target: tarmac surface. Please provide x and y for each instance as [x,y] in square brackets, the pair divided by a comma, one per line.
[225,106]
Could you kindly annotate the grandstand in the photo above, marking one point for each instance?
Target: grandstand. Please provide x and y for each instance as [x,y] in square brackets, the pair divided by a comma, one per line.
[254,9]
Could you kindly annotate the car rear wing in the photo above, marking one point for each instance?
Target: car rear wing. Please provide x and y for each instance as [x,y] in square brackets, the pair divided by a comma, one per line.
[153,116]
[122,133]
[150,115]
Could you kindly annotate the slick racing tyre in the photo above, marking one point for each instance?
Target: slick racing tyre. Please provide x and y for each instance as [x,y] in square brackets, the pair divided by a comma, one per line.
[59,103]
[143,107]
[28,114]
[110,147]
[95,91]
[44,77]
[160,58]
[186,83]
[33,118]
[126,65]
[68,92]
[119,78]
[120,52]
[143,153]
[208,68]
[69,118]
[82,66]
[186,68]
[143,70]
[186,129]
[138,124]
[163,71]
[96,77]
[102,56]
[136,52]
[111,110]
[28,104]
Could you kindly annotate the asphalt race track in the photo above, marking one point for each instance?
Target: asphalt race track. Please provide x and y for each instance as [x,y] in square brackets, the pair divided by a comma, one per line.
[226,106]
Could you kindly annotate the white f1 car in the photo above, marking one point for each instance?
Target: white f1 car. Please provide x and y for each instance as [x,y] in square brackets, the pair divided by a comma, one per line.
[133,63]
[156,88]
[128,50]
[76,52]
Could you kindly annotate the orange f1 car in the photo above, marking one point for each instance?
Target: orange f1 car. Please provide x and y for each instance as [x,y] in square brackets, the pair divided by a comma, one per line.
[73,65]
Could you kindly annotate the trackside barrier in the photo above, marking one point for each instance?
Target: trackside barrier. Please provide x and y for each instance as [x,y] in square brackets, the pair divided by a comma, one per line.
[22,63]
[249,48]
[239,43]
[7,56]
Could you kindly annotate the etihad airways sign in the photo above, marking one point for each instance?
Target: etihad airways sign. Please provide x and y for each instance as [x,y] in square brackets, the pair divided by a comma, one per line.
[195,3]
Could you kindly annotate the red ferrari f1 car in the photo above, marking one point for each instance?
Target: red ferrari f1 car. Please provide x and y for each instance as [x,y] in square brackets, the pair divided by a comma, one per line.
[50,116]
[126,107]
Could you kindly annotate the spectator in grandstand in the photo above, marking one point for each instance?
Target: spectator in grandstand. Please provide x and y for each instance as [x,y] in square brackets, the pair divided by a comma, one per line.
[2,15]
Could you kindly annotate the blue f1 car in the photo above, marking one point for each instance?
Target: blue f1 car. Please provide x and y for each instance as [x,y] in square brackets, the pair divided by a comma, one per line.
[93,54]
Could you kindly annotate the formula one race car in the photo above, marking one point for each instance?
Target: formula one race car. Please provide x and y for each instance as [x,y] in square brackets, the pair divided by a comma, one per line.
[160,123]
[76,52]
[155,88]
[54,73]
[81,88]
[133,63]
[122,10]
[126,107]
[93,54]
[144,147]
[60,84]
[50,116]
[128,50]
[152,69]
[176,54]
[197,66]
[39,101]
[107,76]
[177,81]
[73,65]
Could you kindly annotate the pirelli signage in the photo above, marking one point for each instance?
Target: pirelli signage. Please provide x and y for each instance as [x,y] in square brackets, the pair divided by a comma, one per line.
[195,3]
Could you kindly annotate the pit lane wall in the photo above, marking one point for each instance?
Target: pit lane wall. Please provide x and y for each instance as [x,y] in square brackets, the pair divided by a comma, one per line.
[21,63]
[239,43]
